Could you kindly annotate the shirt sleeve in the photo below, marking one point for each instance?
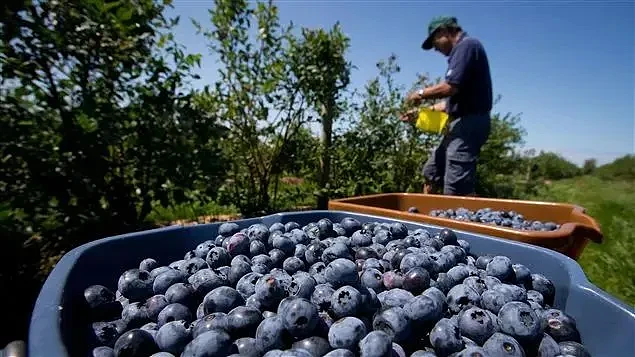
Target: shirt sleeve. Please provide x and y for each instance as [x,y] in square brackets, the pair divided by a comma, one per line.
[460,63]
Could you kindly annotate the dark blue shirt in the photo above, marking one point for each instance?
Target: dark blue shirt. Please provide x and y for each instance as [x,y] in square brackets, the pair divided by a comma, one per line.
[468,69]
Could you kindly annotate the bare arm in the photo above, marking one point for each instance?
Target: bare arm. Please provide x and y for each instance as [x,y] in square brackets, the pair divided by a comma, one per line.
[439,107]
[437,91]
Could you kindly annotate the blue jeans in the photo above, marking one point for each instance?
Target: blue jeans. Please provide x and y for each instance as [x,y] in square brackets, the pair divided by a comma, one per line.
[453,162]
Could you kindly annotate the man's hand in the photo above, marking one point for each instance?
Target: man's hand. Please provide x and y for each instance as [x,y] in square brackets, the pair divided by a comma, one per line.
[409,116]
[414,97]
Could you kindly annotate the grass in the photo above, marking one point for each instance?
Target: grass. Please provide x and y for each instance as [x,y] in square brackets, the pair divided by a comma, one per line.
[610,265]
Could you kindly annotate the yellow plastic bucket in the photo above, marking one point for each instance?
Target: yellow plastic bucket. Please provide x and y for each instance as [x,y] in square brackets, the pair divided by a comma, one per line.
[431,121]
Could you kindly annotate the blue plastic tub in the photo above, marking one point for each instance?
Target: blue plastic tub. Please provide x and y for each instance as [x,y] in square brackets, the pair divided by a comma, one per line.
[607,326]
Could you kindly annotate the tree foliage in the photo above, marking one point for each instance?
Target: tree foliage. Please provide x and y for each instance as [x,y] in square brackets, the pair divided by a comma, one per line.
[319,63]
[257,95]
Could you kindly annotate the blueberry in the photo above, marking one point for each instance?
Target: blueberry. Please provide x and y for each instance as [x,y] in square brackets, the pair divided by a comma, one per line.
[476,283]
[135,284]
[416,280]
[372,278]
[173,336]
[193,265]
[476,324]
[285,244]
[520,321]
[522,274]
[461,296]
[213,321]
[174,312]
[217,257]
[292,265]
[321,296]
[350,225]
[107,332]
[445,338]
[394,297]
[398,230]
[503,345]
[204,281]
[574,349]
[242,321]
[203,248]
[448,237]
[361,239]
[157,271]
[421,353]
[101,302]
[346,301]
[394,322]
[246,346]
[548,347]
[181,293]
[257,247]
[533,295]
[340,352]
[271,334]
[397,257]
[393,279]
[458,274]
[148,264]
[423,310]
[269,289]
[513,292]
[103,351]
[341,272]
[413,210]
[375,344]
[238,244]
[302,285]
[222,299]
[277,257]
[413,260]
[472,351]
[382,236]
[560,326]
[263,260]
[209,344]
[541,284]
[135,343]
[494,300]
[337,250]
[483,260]
[346,333]
[228,228]
[135,314]
[162,354]
[315,345]
[237,271]
[299,317]
[501,268]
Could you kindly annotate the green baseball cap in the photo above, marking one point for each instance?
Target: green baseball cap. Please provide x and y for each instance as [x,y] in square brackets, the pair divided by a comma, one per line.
[434,25]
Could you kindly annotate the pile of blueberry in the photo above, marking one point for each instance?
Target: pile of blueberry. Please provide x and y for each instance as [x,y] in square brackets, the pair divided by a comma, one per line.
[510,219]
[330,289]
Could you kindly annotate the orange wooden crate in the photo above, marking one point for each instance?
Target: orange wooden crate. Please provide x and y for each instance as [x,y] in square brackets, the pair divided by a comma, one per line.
[577,228]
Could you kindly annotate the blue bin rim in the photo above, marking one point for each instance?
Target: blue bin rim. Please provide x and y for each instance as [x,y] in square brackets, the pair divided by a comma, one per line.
[45,320]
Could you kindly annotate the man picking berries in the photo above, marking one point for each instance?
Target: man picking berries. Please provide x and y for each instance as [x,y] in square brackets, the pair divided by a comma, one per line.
[467,90]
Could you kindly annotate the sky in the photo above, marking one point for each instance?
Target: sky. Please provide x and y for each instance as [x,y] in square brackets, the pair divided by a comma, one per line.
[567,67]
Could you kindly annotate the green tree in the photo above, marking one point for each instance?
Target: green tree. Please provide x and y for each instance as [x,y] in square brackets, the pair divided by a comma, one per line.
[589,166]
[552,166]
[323,74]
[376,152]
[501,169]
[95,126]
[258,95]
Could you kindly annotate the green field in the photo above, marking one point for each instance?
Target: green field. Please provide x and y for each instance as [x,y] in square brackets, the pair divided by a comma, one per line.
[610,265]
